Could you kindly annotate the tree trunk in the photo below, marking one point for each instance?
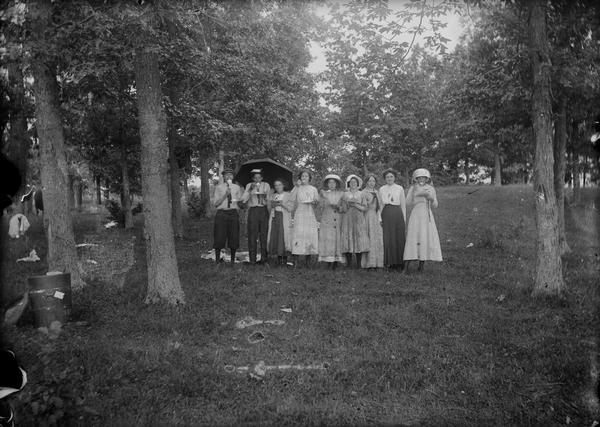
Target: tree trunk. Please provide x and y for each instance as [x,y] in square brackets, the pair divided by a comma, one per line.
[71,184]
[18,142]
[126,192]
[497,169]
[221,165]
[62,255]
[576,178]
[186,189]
[98,191]
[174,176]
[548,271]
[467,172]
[560,167]
[107,190]
[163,273]
[204,185]
[78,190]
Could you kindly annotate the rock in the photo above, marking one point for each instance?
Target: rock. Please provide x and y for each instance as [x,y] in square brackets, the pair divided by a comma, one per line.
[14,313]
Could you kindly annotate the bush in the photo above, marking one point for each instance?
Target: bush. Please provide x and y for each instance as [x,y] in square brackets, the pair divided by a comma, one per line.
[196,206]
[117,213]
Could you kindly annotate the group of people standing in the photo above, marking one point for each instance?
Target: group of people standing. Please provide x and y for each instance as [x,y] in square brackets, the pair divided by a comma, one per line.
[349,223]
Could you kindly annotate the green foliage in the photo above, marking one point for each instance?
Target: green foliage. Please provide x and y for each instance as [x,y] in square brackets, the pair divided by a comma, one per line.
[196,205]
[117,213]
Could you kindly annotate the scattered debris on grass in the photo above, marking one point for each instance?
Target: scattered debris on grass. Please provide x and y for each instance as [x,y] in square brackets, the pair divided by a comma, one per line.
[91,261]
[249,321]
[470,245]
[261,369]
[286,309]
[240,257]
[32,257]
[501,298]
[111,224]
[85,245]
[256,337]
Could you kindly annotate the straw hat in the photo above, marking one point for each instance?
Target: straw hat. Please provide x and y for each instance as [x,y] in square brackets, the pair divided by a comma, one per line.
[358,178]
[256,171]
[333,176]
[421,172]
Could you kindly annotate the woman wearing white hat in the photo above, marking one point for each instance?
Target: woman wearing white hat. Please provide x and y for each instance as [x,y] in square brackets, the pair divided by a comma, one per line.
[422,239]
[330,243]
[355,238]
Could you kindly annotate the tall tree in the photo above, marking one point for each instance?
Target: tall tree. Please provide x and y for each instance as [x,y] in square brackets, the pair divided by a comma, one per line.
[163,274]
[548,268]
[18,141]
[62,255]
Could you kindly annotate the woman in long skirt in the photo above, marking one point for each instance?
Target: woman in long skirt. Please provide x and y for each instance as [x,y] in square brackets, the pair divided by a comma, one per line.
[330,242]
[280,208]
[305,233]
[422,239]
[355,239]
[374,258]
[393,214]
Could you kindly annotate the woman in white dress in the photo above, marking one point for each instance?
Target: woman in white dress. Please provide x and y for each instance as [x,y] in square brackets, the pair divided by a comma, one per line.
[422,239]
[305,232]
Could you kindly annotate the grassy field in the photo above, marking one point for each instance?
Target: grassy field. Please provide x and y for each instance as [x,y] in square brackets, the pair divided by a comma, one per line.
[461,344]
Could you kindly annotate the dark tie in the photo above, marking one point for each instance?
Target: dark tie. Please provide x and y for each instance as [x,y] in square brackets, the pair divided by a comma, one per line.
[228,199]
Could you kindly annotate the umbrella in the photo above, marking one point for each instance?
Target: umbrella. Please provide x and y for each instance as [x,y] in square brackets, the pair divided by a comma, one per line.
[271,170]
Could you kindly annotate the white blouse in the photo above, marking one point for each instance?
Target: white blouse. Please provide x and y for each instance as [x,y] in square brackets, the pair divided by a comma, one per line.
[392,195]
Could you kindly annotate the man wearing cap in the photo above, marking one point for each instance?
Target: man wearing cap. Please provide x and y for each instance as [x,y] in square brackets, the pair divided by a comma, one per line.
[258,216]
[227,221]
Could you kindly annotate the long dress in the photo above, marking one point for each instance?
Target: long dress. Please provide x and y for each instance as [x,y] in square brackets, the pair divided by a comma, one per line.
[422,239]
[279,237]
[374,258]
[330,239]
[305,233]
[392,219]
[355,238]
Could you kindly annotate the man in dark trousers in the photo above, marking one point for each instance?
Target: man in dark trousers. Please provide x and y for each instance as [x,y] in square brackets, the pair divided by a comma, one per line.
[227,220]
[258,216]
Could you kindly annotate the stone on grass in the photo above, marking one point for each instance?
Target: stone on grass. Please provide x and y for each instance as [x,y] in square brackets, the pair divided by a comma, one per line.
[14,313]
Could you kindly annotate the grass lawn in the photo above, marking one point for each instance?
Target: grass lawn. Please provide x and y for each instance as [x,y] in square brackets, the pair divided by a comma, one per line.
[461,344]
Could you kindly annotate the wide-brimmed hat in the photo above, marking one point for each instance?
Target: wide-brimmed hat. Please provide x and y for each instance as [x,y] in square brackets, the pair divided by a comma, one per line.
[255,171]
[358,178]
[227,170]
[390,170]
[421,172]
[333,176]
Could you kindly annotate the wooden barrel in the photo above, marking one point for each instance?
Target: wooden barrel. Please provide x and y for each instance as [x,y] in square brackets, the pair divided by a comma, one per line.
[50,298]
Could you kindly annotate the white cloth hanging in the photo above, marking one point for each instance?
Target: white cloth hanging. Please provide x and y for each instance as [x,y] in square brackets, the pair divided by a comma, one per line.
[17,226]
